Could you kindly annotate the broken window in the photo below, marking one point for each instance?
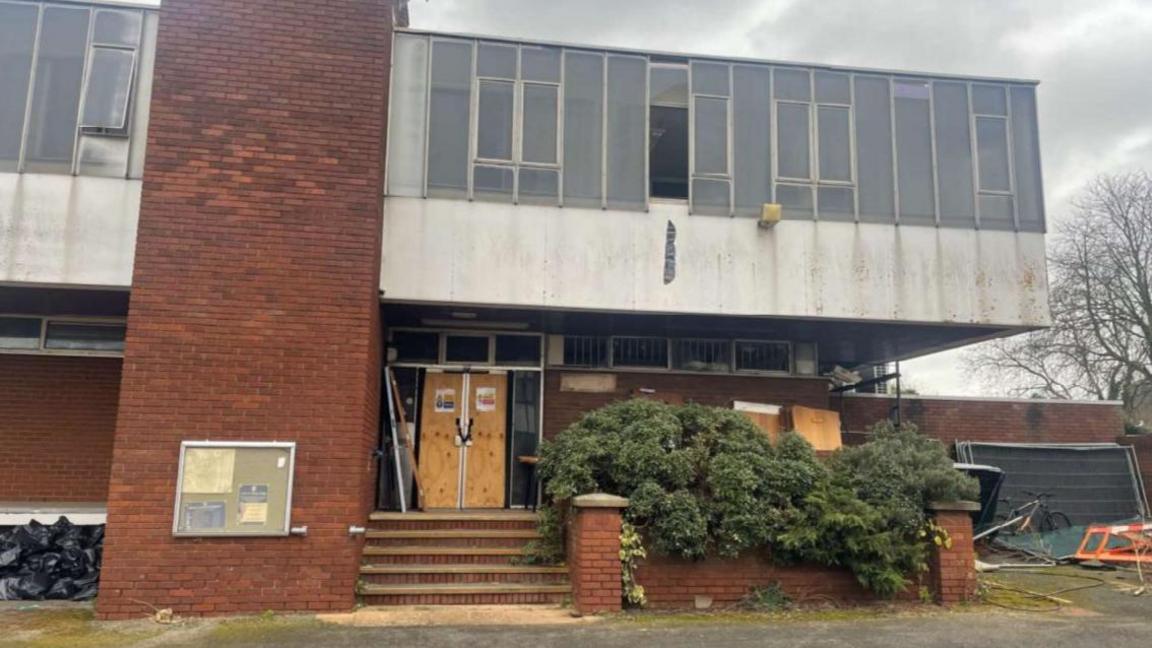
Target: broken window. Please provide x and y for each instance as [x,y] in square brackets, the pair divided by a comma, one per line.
[668,131]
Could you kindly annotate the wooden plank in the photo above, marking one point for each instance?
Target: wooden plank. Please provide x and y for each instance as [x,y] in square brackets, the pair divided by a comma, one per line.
[487,407]
[439,455]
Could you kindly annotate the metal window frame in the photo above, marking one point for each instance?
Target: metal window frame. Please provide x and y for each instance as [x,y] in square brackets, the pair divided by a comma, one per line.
[607,339]
[185,445]
[81,320]
[927,83]
[790,371]
[1009,152]
[612,351]
[443,363]
[728,175]
[728,343]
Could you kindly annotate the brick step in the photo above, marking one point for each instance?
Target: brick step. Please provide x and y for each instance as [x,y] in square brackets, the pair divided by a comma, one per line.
[469,594]
[471,573]
[452,537]
[454,521]
[425,554]
[426,558]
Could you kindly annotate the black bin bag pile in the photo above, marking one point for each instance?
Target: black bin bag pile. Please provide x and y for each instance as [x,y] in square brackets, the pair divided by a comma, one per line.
[58,561]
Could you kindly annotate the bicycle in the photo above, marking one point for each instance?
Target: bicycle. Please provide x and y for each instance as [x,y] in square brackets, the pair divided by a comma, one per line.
[1034,516]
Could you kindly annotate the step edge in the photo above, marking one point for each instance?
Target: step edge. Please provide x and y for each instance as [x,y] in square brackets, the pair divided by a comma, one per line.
[462,569]
[434,550]
[476,588]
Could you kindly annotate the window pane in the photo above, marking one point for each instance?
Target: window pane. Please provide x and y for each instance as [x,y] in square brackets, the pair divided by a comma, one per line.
[874,150]
[109,83]
[583,123]
[835,144]
[407,108]
[466,348]
[525,431]
[19,333]
[832,88]
[989,100]
[494,60]
[762,356]
[539,138]
[585,351]
[992,147]
[751,138]
[103,156]
[627,131]
[1026,151]
[56,97]
[836,203]
[710,197]
[710,78]
[795,200]
[540,64]
[639,352]
[492,182]
[914,155]
[791,84]
[17,36]
[84,337]
[539,186]
[668,159]
[711,135]
[996,212]
[448,118]
[117,28]
[416,346]
[517,350]
[953,154]
[805,358]
[494,120]
[702,355]
[792,140]
[668,86]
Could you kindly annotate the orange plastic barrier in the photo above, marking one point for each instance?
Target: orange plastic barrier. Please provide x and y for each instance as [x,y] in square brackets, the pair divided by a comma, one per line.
[1128,543]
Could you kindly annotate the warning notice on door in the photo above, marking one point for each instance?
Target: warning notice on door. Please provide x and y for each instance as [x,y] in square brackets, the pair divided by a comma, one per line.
[445,400]
[485,399]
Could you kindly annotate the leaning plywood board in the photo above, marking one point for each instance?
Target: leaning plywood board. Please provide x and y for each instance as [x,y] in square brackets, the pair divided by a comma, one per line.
[765,416]
[820,427]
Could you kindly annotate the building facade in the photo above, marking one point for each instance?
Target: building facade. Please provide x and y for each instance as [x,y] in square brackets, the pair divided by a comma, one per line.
[275,231]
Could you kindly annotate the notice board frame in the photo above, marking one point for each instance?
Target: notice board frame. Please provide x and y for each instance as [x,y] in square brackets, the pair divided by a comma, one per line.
[290,446]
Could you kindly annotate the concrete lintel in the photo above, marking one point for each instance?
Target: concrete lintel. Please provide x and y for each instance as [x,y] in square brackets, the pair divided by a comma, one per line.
[600,500]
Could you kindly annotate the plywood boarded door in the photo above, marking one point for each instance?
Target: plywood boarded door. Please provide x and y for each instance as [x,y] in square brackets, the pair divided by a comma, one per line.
[439,455]
[485,465]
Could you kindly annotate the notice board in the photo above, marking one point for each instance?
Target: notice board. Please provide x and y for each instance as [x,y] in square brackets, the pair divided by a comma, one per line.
[234,488]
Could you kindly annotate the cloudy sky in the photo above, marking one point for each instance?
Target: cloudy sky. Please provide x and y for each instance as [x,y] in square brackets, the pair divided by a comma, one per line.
[1093,59]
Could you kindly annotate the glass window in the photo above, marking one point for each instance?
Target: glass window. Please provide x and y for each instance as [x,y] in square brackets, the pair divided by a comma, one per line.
[583,128]
[627,132]
[914,153]
[792,84]
[835,144]
[525,422]
[710,78]
[448,118]
[540,64]
[494,120]
[711,148]
[992,147]
[84,337]
[538,186]
[466,348]
[585,351]
[117,28]
[17,38]
[639,352]
[518,350]
[832,88]
[19,333]
[751,138]
[492,182]
[1026,152]
[416,346]
[494,60]
[805,357]
[710,197]
[836,203]
[407,108]
[953,154]
[762,356]
[702,355]
[989,100]
[539,139]
[792,140]
[996,211]
[56,96]
[874,150]
[109,86]
[669,86]
[795,200]
[668,132]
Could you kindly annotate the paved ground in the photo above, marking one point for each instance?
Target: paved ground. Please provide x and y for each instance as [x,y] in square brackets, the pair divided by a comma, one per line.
[1103,612]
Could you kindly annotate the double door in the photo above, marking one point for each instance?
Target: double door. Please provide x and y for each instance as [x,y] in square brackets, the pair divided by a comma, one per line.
[463,432]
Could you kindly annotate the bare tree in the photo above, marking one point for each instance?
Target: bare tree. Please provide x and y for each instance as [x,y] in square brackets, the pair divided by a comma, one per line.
[1100,343]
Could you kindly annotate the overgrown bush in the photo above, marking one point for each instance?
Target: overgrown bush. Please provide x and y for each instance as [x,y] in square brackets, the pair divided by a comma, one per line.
[704,480]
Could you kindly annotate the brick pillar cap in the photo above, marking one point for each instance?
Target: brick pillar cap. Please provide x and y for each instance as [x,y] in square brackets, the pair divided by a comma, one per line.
[600,500]
[961,505]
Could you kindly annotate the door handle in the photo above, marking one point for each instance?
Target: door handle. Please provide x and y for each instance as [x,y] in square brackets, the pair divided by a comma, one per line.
[467,438]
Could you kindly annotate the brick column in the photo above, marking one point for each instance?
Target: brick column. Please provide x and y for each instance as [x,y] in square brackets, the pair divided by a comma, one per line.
[952,570]
[594,553]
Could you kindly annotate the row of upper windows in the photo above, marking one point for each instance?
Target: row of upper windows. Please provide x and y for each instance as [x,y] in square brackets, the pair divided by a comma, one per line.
[68,75]
[547,125]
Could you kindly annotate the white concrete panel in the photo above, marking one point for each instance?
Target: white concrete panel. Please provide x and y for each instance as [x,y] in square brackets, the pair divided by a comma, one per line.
[68,230]
[532,256]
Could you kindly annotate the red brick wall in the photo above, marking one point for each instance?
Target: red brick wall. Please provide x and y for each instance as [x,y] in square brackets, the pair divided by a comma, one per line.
[57,420]
[594,559]
[562,408]
[1014,421]
[255,307]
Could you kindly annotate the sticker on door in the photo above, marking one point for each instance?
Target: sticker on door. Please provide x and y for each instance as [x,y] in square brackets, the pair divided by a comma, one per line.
[445,400]
[485,399]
